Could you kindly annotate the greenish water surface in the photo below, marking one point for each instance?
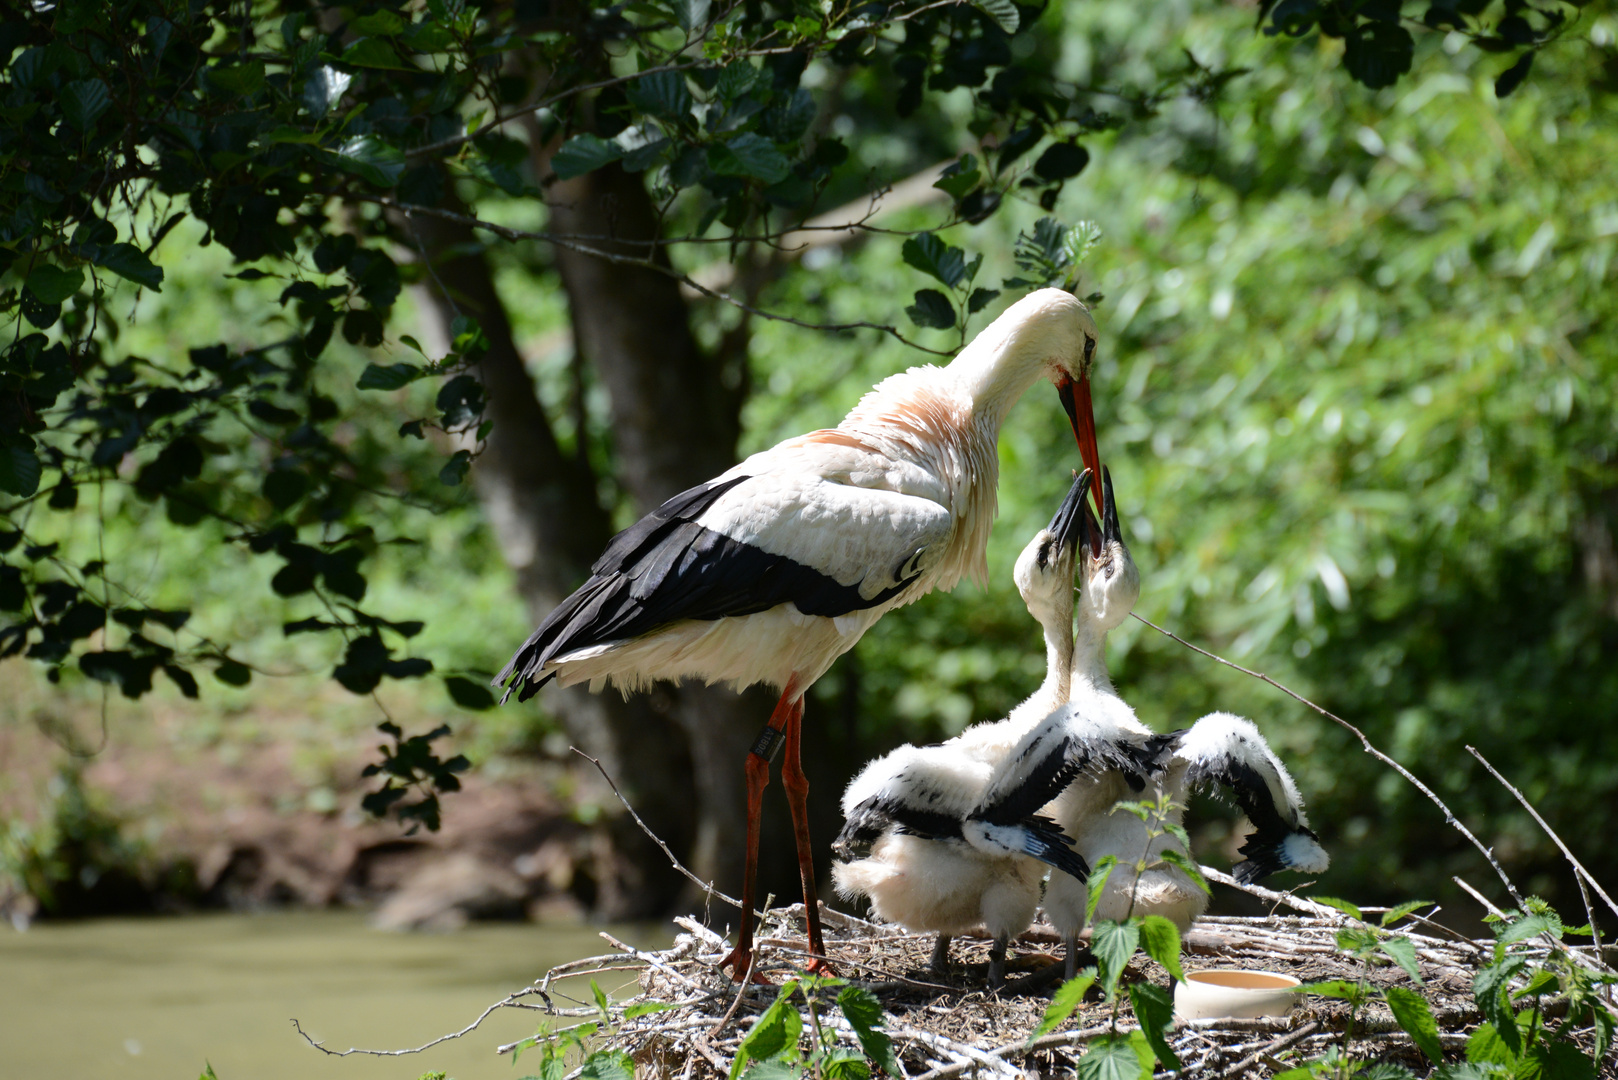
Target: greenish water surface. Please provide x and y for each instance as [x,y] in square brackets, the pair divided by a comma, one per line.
[153,999]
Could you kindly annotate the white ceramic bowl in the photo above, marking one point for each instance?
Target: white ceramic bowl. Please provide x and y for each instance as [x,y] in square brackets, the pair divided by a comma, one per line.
[1232,992]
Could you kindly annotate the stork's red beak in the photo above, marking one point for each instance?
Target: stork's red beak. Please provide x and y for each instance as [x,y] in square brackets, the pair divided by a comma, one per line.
[1075,395]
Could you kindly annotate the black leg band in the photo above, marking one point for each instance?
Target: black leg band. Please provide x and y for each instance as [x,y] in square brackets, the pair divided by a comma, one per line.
[769,741]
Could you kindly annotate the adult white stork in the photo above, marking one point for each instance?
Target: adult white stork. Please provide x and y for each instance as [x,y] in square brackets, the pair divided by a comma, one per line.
[774,569]
[926,839]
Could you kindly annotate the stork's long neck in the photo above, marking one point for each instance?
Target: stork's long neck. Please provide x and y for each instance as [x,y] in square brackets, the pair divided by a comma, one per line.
[1089,668]
[1057,623]
[995,370]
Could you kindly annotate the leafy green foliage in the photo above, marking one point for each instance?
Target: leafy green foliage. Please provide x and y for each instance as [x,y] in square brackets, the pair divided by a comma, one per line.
[76,856]
[412,768]
[1510,1041]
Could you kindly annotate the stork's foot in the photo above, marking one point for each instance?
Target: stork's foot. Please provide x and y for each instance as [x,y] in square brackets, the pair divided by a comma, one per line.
[820,966]
[739,961]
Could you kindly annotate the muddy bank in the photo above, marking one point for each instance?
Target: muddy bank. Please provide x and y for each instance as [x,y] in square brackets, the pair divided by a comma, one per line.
[270,825]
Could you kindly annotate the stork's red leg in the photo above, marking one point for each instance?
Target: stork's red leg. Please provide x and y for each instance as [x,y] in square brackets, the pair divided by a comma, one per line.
[797,786]
[758,778]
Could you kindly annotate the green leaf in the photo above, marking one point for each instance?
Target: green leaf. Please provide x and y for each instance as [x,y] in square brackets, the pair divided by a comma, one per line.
[1003,12]
[237,80]
[1097,884]
[958,180]
[1341,989]
[931,309]
[1513,76]
[1068,997]
[378,24]
[1154,1008]
[1110,1057]
[53,284]
[207,1072]
[1399,911]
[1061,161]
[1489,991]
[19,470]
[83,101]
[775,1032]
[389,377]
[1113,944]
[1530,926]
[1412,1013]
[1186,866]
[773,1070]
[375,53]
[372,160]
[661,93]
[980,299]
[582,154]
[1486,1047]
[1377,53]
[456,468]
[470,695]
[750,154]
[691,14]
[1402,951]
[1161,940]
[1341,905]
[1556,1059]
[933,257]
[600,999]
[232,673]
[640,1008]
[864,1013]
[608,1065]
[129,262]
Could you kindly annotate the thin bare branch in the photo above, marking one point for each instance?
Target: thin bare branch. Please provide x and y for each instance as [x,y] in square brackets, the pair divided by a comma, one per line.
[1578,868]
[705,886]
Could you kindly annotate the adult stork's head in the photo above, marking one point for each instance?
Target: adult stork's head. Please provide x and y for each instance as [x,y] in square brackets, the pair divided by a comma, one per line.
[1109,583]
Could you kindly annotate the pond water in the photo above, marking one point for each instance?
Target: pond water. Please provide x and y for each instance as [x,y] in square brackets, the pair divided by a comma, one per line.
[155,999]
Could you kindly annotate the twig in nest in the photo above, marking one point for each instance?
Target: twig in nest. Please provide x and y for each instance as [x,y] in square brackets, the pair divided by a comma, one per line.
[705,886]
[1370,748]
[509,999]
[1270,1049]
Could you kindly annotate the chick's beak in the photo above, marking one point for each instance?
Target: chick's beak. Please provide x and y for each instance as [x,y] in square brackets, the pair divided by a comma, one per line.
[1075,395]
[1068,524]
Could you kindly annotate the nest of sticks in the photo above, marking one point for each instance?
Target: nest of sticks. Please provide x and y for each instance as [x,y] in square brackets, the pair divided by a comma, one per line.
[953,1026]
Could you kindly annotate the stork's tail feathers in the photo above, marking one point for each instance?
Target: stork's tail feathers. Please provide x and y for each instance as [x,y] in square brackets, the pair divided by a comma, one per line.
[1266,855]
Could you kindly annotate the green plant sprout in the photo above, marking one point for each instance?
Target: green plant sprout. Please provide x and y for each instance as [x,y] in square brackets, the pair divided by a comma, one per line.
[579,1043]
[771,1049]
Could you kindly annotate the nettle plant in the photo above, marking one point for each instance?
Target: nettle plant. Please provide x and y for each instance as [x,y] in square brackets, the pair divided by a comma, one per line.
[1118,1054]
[585,1049]
[1529,977]
[772,1048]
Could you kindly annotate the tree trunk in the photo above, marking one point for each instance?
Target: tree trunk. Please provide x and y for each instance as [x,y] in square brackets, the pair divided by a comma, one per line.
[550,526]
[676,419]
